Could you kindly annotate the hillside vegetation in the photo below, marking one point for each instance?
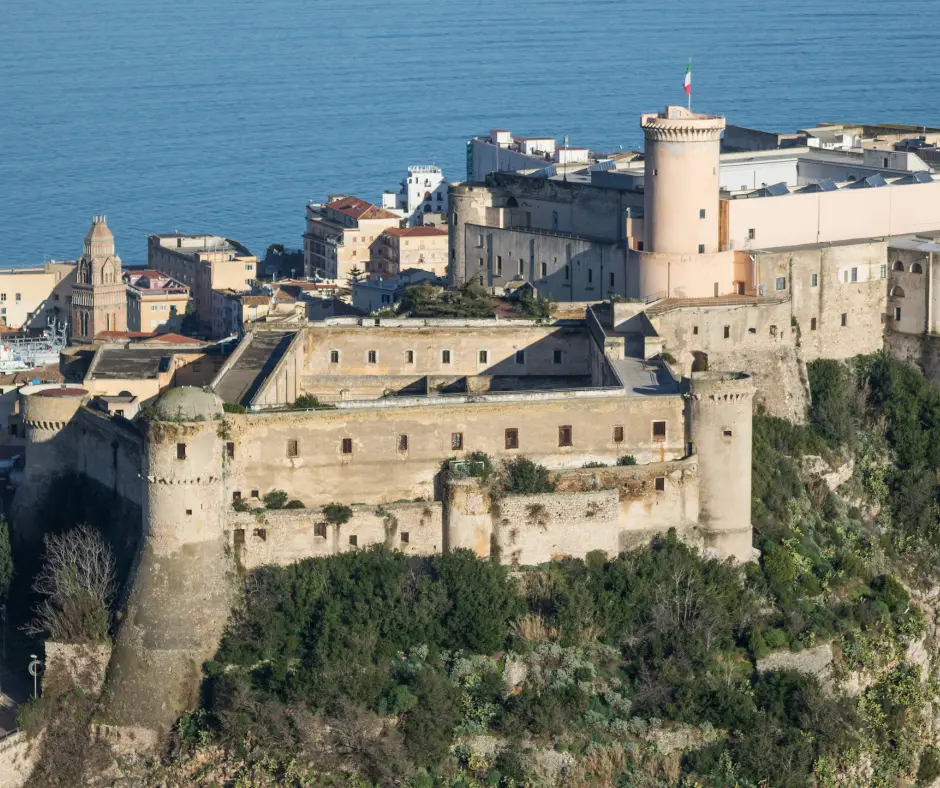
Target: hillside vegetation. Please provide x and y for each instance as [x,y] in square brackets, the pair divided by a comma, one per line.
[376,669]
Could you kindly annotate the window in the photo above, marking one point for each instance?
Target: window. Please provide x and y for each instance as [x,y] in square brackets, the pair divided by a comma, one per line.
[189,512]
[564,435]
[845,319]
[230,450]
[319,529]
[751,234]
[590,275]
[812,324]
[695,330]
[544,270]
[405,537]
[293,449]
[479,240]
[639,246]
[781,283]
[897,313]
[660,483]
[18,297]
[726,433]
[701,213]
[3,296]
[181,451]
[727,332]
[237,495]
[655,173]
[659,431]
[334,357]
[353,540]
[521,266]
[409,357]
[512,439]
[557,356]
[567,273]
[884,271]
[854,274]
[372,356]
[456,440]
[484,356]
[915,269]
[618,433]
[347,445]
[499,264]
[814,280]
[520,357]
[898,266]
[254,494]
[247,267]
[118,412]
[445,357]
[701,248]
[480,261]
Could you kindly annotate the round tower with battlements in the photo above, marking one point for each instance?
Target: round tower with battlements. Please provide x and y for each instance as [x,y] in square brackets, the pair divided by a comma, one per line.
[721,423]
[680,187]
[182,590]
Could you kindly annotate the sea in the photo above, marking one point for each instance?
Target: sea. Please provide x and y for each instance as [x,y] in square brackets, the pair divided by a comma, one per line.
[228,116]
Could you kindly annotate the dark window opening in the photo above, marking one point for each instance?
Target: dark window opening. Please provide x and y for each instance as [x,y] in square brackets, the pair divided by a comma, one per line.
[484,357]
[618,434]
[319,529]
[293,449]
[373,356]
[512,439]
[660,483]
[845,319]
[353,540]
[402,443]
[701,248]
[334,357]
[557,356]
[409,357]
[520,357]
[812,324]
[695,330]
[254,493]
[726,433]
[445,357]
[456,440]
[181,451]
[236,496]
[564,435]
[659,430]
[262,534]
[727,332]
[405,537]
[347,446]
[189,512]
[230,450]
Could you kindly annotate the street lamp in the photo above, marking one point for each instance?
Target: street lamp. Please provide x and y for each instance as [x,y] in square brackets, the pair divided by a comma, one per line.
[35,666]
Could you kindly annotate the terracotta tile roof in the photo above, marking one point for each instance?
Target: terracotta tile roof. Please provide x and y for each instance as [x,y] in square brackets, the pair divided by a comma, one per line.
[415,232]
[110,336]
[171,339]
[359,209]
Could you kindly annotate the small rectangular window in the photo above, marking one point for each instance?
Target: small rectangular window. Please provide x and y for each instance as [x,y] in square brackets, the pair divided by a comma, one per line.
[726,433]
[480,261]
[521,266]
[590,275]
[445,357]
[884,271]
[230,450]
[544,270]
[557,356]
[189,512]
[781,283]
[373,356]
[353,540]
[483,357]
[456,440]
[293,449]
[752,234]
[254,493]
[334,357]
[701,213]
[659,431]
[402,443]
[480,240]
[409,357]
[564,435]
[845,319]
[695,330]
[812,324]
[727,332]
[405,537]
[814,280]
[181,451]
[319,529]
[347,445]
[854,274]
[236,496]
[512,439]
[701,248]
[897,313]
[660,483]
[567,273]
[618,433]
[520,357]
[499,264]
[611,280]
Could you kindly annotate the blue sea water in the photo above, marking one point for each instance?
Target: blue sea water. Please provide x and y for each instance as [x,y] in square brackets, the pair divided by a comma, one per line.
[226,116]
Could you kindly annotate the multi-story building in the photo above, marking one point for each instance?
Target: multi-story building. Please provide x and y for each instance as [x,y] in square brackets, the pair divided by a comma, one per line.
[155,302]
[399,248]
[99,297]
[232,311]
[340,235]
[203,263]
[422,191]
[30,297]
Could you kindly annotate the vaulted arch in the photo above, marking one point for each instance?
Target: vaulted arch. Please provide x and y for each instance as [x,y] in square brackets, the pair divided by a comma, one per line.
[917,268]
[897,292]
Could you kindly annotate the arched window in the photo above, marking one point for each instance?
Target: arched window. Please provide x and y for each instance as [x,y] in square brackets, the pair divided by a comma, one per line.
[107,274]
[916,268]
[898,266]
[897,292]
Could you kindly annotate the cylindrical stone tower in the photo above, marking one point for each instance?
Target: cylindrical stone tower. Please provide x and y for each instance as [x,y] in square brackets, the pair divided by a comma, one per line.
[721,422]
[182,589]
[680,187]
[467,203]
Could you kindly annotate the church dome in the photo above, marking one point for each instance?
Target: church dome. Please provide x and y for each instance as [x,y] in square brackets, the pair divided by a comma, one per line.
[187,403]
[99,230]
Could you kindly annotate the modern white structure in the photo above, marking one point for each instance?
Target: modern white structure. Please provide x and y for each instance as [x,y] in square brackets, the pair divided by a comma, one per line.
[422,191]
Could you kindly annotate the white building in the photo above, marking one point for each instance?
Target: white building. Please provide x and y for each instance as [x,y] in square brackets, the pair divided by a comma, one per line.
[422,191]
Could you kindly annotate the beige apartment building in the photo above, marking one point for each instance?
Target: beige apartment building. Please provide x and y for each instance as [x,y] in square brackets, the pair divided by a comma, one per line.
[155,302]
[340,236]
[203,263]
[29,297]
[419,247]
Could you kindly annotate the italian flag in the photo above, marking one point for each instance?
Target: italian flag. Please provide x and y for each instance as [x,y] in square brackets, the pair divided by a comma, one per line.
[688,79]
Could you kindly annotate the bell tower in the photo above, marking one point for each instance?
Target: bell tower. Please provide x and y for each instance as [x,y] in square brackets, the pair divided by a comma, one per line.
[99,295]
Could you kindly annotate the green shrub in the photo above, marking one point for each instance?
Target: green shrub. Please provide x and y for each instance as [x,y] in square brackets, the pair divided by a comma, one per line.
[521,476]
[627,459]
[293,503]
[239,505]
[276,499]
[594,465]
[310,402]
[929,768]
[337,513]
[233,407]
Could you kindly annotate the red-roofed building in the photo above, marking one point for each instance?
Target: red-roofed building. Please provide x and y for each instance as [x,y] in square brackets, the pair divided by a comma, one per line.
[410,247]
[155,301]
[340,235]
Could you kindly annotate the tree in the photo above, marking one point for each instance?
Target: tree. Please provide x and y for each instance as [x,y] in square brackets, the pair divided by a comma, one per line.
[6,560]
[77,583]
[276,499]
[536,306]
[521,476]
[355,274]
